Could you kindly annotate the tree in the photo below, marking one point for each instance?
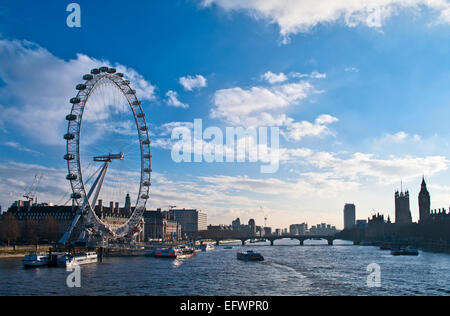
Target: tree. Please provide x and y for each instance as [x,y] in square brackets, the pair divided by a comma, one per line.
[30,231]
[10,229]
[49,229]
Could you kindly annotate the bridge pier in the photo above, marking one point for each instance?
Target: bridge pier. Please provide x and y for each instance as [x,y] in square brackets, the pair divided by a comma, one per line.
[330,242]
[271,242]
[302,242]
[100,254]
[217,242]
[243,242]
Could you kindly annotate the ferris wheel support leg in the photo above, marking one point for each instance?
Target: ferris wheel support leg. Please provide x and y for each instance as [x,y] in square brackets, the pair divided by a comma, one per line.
[65,238]
[96,186]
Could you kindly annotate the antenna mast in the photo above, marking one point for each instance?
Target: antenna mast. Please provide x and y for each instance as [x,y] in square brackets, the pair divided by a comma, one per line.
[265,216]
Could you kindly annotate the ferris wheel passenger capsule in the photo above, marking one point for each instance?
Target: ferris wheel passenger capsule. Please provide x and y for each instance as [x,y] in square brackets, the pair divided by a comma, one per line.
[147,156]
[147,170]
[140,115]
[111,70]
[75,196]
[119,74]
[69,157]
[88,77]
[104,69]
[136,103]
[71,117]
[69,136]
[71,177]
[144,128]
[146,142]
[81,87]
[95,71]
[131,91]
[146,183]
[145,196]
[75,100]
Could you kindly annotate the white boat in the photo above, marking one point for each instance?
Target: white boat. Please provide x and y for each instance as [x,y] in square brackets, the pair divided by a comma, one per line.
[206,247]
[69,260]
[36,259]
[181,252]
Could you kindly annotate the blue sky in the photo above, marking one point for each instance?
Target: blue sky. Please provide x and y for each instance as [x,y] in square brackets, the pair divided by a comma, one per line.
[377,72]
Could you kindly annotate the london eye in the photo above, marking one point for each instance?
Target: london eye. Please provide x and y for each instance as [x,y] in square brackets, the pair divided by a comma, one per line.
[107,137]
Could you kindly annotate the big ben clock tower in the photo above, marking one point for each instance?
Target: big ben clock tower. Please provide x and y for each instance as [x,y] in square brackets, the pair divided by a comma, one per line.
[424,202]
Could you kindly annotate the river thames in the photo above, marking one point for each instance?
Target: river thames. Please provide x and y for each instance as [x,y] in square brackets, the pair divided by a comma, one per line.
[289,269]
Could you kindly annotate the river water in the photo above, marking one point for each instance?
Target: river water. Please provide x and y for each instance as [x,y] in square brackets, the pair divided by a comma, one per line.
[289,269]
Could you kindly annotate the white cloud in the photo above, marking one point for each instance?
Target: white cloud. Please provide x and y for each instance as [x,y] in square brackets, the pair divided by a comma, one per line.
[313,75]
[366,166]
[172,100]
[273,78]
[295,131]
[166,129]
[16,177]
[259,106]
[38,85]
[163,143]
[399,137]
[163,134]
[193,82]
[19,147]
[267,106]
[311,196]
[295,16]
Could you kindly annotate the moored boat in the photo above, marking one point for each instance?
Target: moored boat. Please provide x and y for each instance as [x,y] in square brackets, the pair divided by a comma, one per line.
[174,253]
[385,247]
[408,251]
[36,259]
[69,260]
[206,247]
[184,252]
[168,253]
[250,256]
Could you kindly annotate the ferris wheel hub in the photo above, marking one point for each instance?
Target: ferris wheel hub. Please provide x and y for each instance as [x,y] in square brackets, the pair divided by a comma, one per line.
[109,157]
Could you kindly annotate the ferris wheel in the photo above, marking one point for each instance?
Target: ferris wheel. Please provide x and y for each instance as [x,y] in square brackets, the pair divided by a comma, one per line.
[103,93]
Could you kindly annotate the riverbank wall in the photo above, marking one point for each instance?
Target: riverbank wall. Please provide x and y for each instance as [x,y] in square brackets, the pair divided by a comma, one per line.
[20,251]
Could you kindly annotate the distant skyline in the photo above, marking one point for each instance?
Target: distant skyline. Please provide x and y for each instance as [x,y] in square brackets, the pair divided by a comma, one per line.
[359,92]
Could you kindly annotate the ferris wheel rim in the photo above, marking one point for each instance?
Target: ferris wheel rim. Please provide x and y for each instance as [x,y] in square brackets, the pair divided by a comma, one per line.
[97,78]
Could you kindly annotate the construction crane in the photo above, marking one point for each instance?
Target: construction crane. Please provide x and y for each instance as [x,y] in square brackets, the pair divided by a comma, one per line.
[31,191]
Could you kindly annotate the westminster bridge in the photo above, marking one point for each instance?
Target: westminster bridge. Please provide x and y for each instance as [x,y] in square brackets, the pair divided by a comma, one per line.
[222,238]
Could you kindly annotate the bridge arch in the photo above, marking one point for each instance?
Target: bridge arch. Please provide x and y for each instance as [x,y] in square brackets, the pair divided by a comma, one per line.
[302,239]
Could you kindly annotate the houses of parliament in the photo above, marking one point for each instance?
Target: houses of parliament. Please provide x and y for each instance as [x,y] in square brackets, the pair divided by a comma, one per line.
[426,215]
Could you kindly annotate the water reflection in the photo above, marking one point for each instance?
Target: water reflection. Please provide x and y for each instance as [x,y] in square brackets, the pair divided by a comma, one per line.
[289,269]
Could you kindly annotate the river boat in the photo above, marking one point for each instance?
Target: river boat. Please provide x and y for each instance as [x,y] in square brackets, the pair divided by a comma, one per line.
[408,251]
[36,259]
[69,260]
[250,256]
